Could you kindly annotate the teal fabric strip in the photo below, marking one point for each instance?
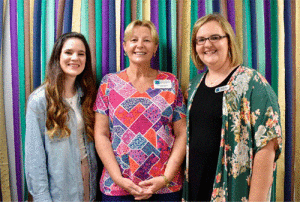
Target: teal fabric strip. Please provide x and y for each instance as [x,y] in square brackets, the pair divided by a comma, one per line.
[194,17]
[43,41]
[274,45]
[50,27]
[174,36]
[85,19]
[139,9]
[22,90]
[247,49]
[260,23]
[163,52]
[127,21]
[98,24]
[208,6]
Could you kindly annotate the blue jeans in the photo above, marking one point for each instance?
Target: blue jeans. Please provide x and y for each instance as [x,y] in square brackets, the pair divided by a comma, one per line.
[168,197]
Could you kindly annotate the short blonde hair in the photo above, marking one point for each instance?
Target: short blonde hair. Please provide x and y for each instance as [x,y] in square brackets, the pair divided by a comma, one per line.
[142,23]
[234,50]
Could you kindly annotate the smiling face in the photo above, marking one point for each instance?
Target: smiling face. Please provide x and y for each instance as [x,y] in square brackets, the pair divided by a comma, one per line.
[73,57]
[140,47]
[213,55]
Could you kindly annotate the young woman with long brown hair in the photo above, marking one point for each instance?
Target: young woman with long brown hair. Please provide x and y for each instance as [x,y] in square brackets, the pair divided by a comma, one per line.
[60,160]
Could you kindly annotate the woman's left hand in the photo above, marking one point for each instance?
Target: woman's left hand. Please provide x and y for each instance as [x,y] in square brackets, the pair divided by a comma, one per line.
[152,185]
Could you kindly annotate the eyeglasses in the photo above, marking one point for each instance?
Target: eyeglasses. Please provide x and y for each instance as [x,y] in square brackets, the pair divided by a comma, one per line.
[212,39]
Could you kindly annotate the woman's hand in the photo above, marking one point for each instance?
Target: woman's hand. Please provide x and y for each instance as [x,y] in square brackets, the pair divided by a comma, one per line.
[129,186]
[153,185]
[132,188]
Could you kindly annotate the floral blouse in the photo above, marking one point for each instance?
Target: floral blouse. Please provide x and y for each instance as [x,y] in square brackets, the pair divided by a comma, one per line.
[251,118]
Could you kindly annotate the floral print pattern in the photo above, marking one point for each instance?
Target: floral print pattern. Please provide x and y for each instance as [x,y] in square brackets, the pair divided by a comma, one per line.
[251,118]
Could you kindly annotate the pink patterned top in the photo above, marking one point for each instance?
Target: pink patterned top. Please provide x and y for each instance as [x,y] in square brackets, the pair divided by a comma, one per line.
[141,128]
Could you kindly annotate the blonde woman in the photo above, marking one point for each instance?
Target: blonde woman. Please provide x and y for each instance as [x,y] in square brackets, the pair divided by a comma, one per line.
[233,127]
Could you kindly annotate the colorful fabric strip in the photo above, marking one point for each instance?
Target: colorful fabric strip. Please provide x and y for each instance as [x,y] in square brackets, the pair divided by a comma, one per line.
[68,16]
[15,86]
[98,31]
[112,37]
[289,102]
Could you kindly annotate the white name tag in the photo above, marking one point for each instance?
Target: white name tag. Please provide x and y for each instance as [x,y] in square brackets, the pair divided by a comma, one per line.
[161,84]
[222,89]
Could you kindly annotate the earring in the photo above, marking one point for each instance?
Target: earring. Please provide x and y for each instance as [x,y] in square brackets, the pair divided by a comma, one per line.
[154,54]
[125,54]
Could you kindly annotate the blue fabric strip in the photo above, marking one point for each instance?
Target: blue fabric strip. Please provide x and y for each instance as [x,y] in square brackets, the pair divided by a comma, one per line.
[216,6]
[289,102]
[68,16]
[37,44]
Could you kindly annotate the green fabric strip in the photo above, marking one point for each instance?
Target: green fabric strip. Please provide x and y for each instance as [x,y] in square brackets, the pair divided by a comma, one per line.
[260,23]
[98,24]
[194,17]
[208,7]
[139,10]
[163,53]
[22,90]
[174,36]
[247,48]
[127,21]
[50,27]
[85,19]
[274,45]
[43,41]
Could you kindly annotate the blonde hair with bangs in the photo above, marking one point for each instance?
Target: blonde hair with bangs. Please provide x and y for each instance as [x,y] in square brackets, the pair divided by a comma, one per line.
[235,54]
[142,23]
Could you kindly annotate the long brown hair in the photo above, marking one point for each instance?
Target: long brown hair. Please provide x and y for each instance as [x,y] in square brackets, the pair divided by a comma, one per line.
[57,110]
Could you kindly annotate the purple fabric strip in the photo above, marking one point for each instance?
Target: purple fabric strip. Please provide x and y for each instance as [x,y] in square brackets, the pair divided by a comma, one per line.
[15,96]
[105,37]
[268,41]
[201,8]
[231,13]
[122,57]
[155,20]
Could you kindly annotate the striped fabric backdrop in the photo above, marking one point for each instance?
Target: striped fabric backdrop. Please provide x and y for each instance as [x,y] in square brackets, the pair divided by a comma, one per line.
[267,31]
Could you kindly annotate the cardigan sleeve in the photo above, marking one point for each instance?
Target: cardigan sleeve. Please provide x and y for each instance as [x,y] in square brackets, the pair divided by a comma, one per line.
[265,114]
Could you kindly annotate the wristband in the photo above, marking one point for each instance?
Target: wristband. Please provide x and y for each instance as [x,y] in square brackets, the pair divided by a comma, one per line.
[166,180]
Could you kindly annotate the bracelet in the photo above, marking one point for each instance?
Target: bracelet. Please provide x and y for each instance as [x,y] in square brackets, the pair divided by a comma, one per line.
[166,180]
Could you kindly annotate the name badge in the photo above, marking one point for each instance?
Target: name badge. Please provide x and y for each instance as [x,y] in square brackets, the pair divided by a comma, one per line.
[222,89]
[161,84]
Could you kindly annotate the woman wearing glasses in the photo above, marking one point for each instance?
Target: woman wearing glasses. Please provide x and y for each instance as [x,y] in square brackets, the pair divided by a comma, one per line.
[233,123]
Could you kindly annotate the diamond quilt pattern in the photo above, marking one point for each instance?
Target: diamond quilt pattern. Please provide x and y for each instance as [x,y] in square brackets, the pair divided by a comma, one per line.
[141,128]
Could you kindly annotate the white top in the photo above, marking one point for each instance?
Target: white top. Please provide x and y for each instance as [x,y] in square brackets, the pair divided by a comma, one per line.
[73,102]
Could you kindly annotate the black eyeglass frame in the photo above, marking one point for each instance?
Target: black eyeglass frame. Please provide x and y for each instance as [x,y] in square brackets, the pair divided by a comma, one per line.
[209,38]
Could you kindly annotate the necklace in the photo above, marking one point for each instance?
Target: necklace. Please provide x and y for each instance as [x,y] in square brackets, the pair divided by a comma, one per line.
[72,100]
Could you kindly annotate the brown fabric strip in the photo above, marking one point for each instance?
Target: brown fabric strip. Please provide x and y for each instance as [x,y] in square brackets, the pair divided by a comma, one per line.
[224,8]
[133,9]
[27,47]
[179,38]
[92,34]
[60,17]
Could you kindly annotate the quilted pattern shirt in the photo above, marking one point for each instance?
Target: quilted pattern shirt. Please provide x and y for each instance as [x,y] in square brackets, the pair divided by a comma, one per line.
[141,128]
